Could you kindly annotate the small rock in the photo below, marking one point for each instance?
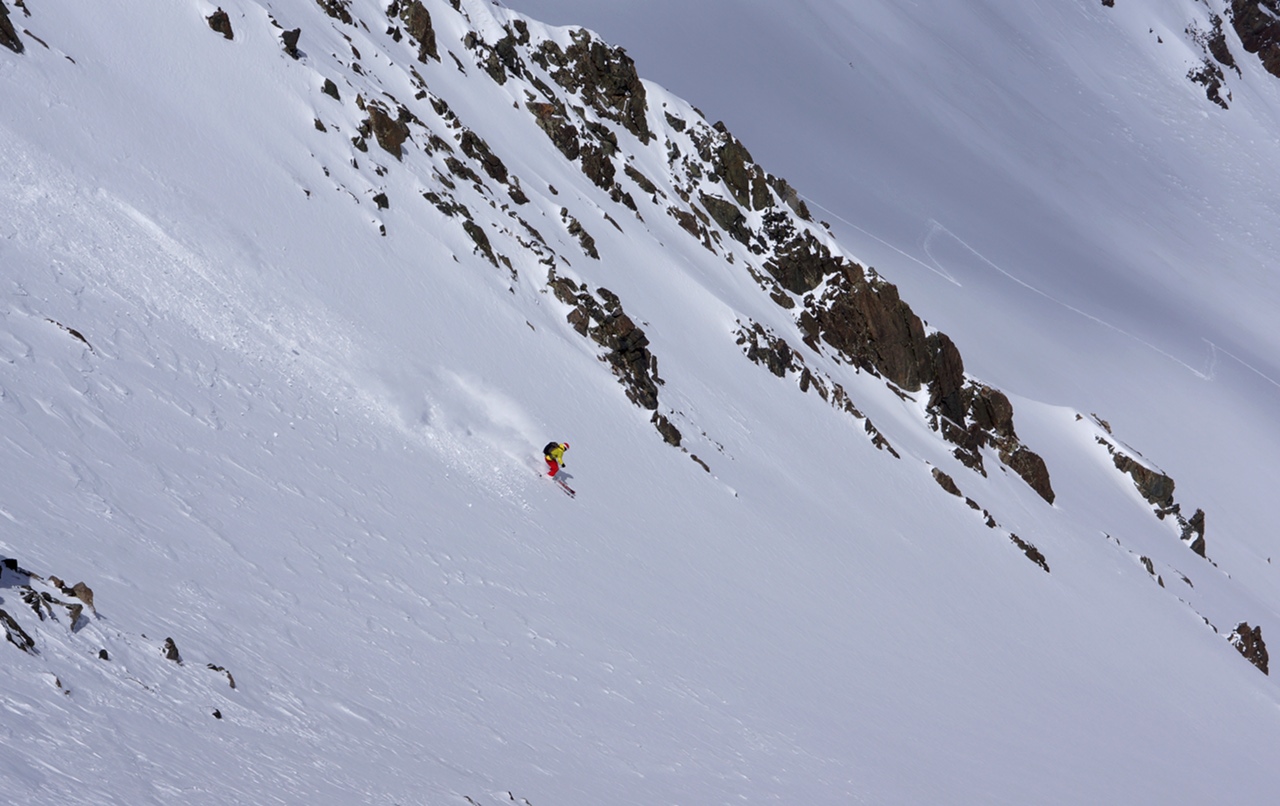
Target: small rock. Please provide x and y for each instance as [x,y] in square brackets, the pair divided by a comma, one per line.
[102,655]
[171,651]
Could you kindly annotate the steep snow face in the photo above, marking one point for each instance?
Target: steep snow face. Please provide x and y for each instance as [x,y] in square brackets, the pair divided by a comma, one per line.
[287,322]
[1043,182]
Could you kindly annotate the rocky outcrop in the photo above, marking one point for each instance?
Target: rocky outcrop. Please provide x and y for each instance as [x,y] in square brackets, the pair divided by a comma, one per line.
[606,78]
[14,633]
[1033,554]
[170,650]
[626,345]
[417,21]
[864,320]
[1156,487]
[8,36]
[290,41]
[553,121]
[1257,23]
[1248,640]
[337,9]
[947,483]
[475,147]
[574,227]
[1217,55]
[727,215]
[220,22]
[390,132]
[774,353]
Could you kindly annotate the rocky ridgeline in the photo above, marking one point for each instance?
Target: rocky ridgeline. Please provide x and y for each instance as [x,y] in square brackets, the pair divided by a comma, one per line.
[840,307]
[586,97]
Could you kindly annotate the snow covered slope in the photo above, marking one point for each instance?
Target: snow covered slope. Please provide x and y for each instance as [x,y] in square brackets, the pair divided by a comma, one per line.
[293,296]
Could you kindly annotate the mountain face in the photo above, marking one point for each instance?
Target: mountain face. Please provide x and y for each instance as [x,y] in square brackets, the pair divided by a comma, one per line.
[293,293]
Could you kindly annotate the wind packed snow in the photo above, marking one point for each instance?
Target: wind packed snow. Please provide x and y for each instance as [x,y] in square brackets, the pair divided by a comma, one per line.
[300,434]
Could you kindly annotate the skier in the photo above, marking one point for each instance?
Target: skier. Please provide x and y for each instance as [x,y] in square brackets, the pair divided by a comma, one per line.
[554,454]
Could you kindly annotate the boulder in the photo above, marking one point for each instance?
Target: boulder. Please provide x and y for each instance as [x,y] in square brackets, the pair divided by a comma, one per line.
[290,41]
[1248,640]
[220,22]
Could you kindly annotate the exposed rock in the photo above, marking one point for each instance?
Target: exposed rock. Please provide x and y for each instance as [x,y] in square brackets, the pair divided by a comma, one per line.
[946,482]
[82,592]
[390,132]
[476,148]
[336,9]
[598,165]
[1193,532]
[1157,488]
[1208,72]
[1257,23]
[865,320]
[606,78]
[640,179]
[15,635]
[1031,467]
[1250,644]
[1033,553]
[605,323]
[552,120]
[481,240]
[102,655]
[991,410]
[171,651]
[1154,486]
[417,21]
[728,216]
[871,326]
[1211,77]
[460,170]
[381,202]
[575,228]
[789,197]
[670,434]
[773,352]
[763,348]
[290,40]
[8,36]
[744,178]
[220,22]
[330,89]
[75,334]
[230,680]
[801,263]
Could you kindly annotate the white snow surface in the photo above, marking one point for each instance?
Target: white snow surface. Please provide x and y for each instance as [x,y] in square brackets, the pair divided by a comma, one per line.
[309,453]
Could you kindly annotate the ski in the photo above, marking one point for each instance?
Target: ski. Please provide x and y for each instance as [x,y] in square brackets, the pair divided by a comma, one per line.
[569,491]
